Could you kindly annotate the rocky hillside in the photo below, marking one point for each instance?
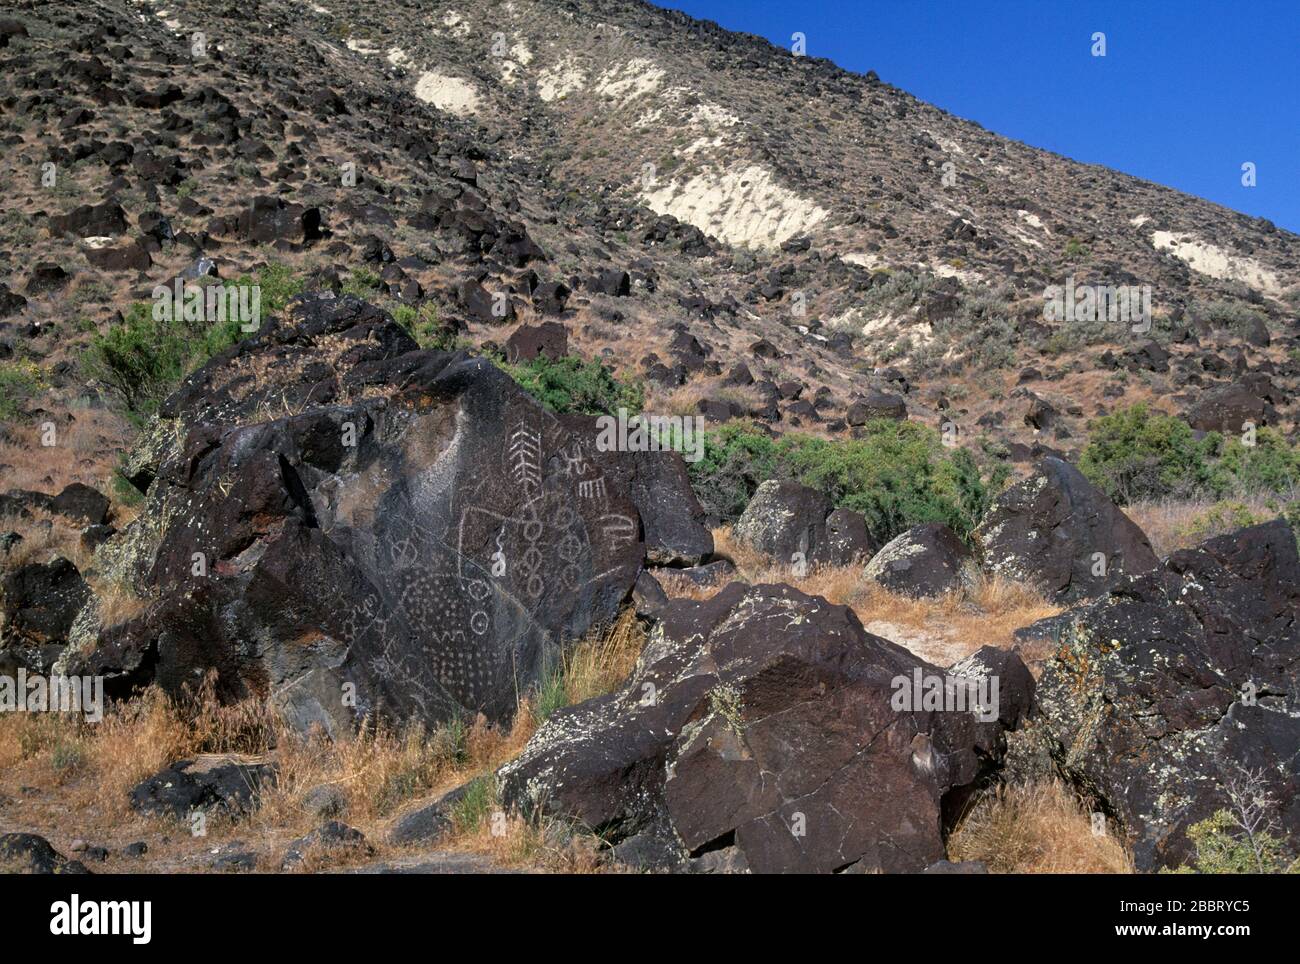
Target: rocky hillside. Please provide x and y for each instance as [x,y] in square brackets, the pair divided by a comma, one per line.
[750,232]
[357,545]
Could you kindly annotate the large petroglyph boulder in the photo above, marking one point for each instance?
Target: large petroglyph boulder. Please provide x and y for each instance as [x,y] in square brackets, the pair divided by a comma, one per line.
[354,526]
[1060,532]
[761,730]
[1180,683]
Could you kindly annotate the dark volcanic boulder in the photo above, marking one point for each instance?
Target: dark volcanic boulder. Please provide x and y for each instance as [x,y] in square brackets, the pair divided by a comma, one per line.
[762,730]
[38,603]
[1042,415]
[10,302]
[423,551]
[90,221]
[1229,408]
[81,502]
[785,518]
[269,218]
[1179,683]
[549,340]
[132,256]
[428,822]
[847,538]
[672,519]
[221,783]
[26,853]
[333,838]
[926,560]
[876,405]
[1058,531]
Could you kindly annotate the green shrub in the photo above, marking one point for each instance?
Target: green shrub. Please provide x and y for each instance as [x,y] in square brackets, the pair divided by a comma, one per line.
[1234,316]
[573,385]
[898,474]
[123,491]
[19,382]
[1137,454]
[278,283]
[142,358]
[1220,519]
[1221,849]
[475,804]
[362,283]
[424,326]
[1270,465]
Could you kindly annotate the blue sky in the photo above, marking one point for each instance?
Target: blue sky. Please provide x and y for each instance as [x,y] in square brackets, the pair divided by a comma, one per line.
[1188,91]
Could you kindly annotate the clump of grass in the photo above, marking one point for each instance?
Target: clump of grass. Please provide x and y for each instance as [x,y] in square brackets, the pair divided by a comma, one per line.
[475,805]
[361,283]
[989,611]
[595,665]
[1039,828]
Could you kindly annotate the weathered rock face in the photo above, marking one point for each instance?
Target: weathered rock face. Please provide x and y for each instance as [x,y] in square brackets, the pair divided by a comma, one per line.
[550,339]
[415,552]
[1230,408]
[38,605]
[672,518]
[926,560]
[81,502]
[758,732]
[1048,530]
[785,518]
[1177,682]
[848,538]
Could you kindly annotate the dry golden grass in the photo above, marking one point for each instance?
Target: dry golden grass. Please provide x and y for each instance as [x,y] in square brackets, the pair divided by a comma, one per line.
[89,769]
[1037,828]
[45,536]
[685,399]
[1173,524]
[85,450]
[948,627]
[602,660]
[117,602]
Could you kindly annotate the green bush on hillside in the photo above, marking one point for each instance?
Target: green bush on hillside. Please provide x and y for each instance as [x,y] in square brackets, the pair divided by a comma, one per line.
[140,357]
[1138,454]
[898,474]
[1221,848]
[572,385]
[19,383]
[144,358]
